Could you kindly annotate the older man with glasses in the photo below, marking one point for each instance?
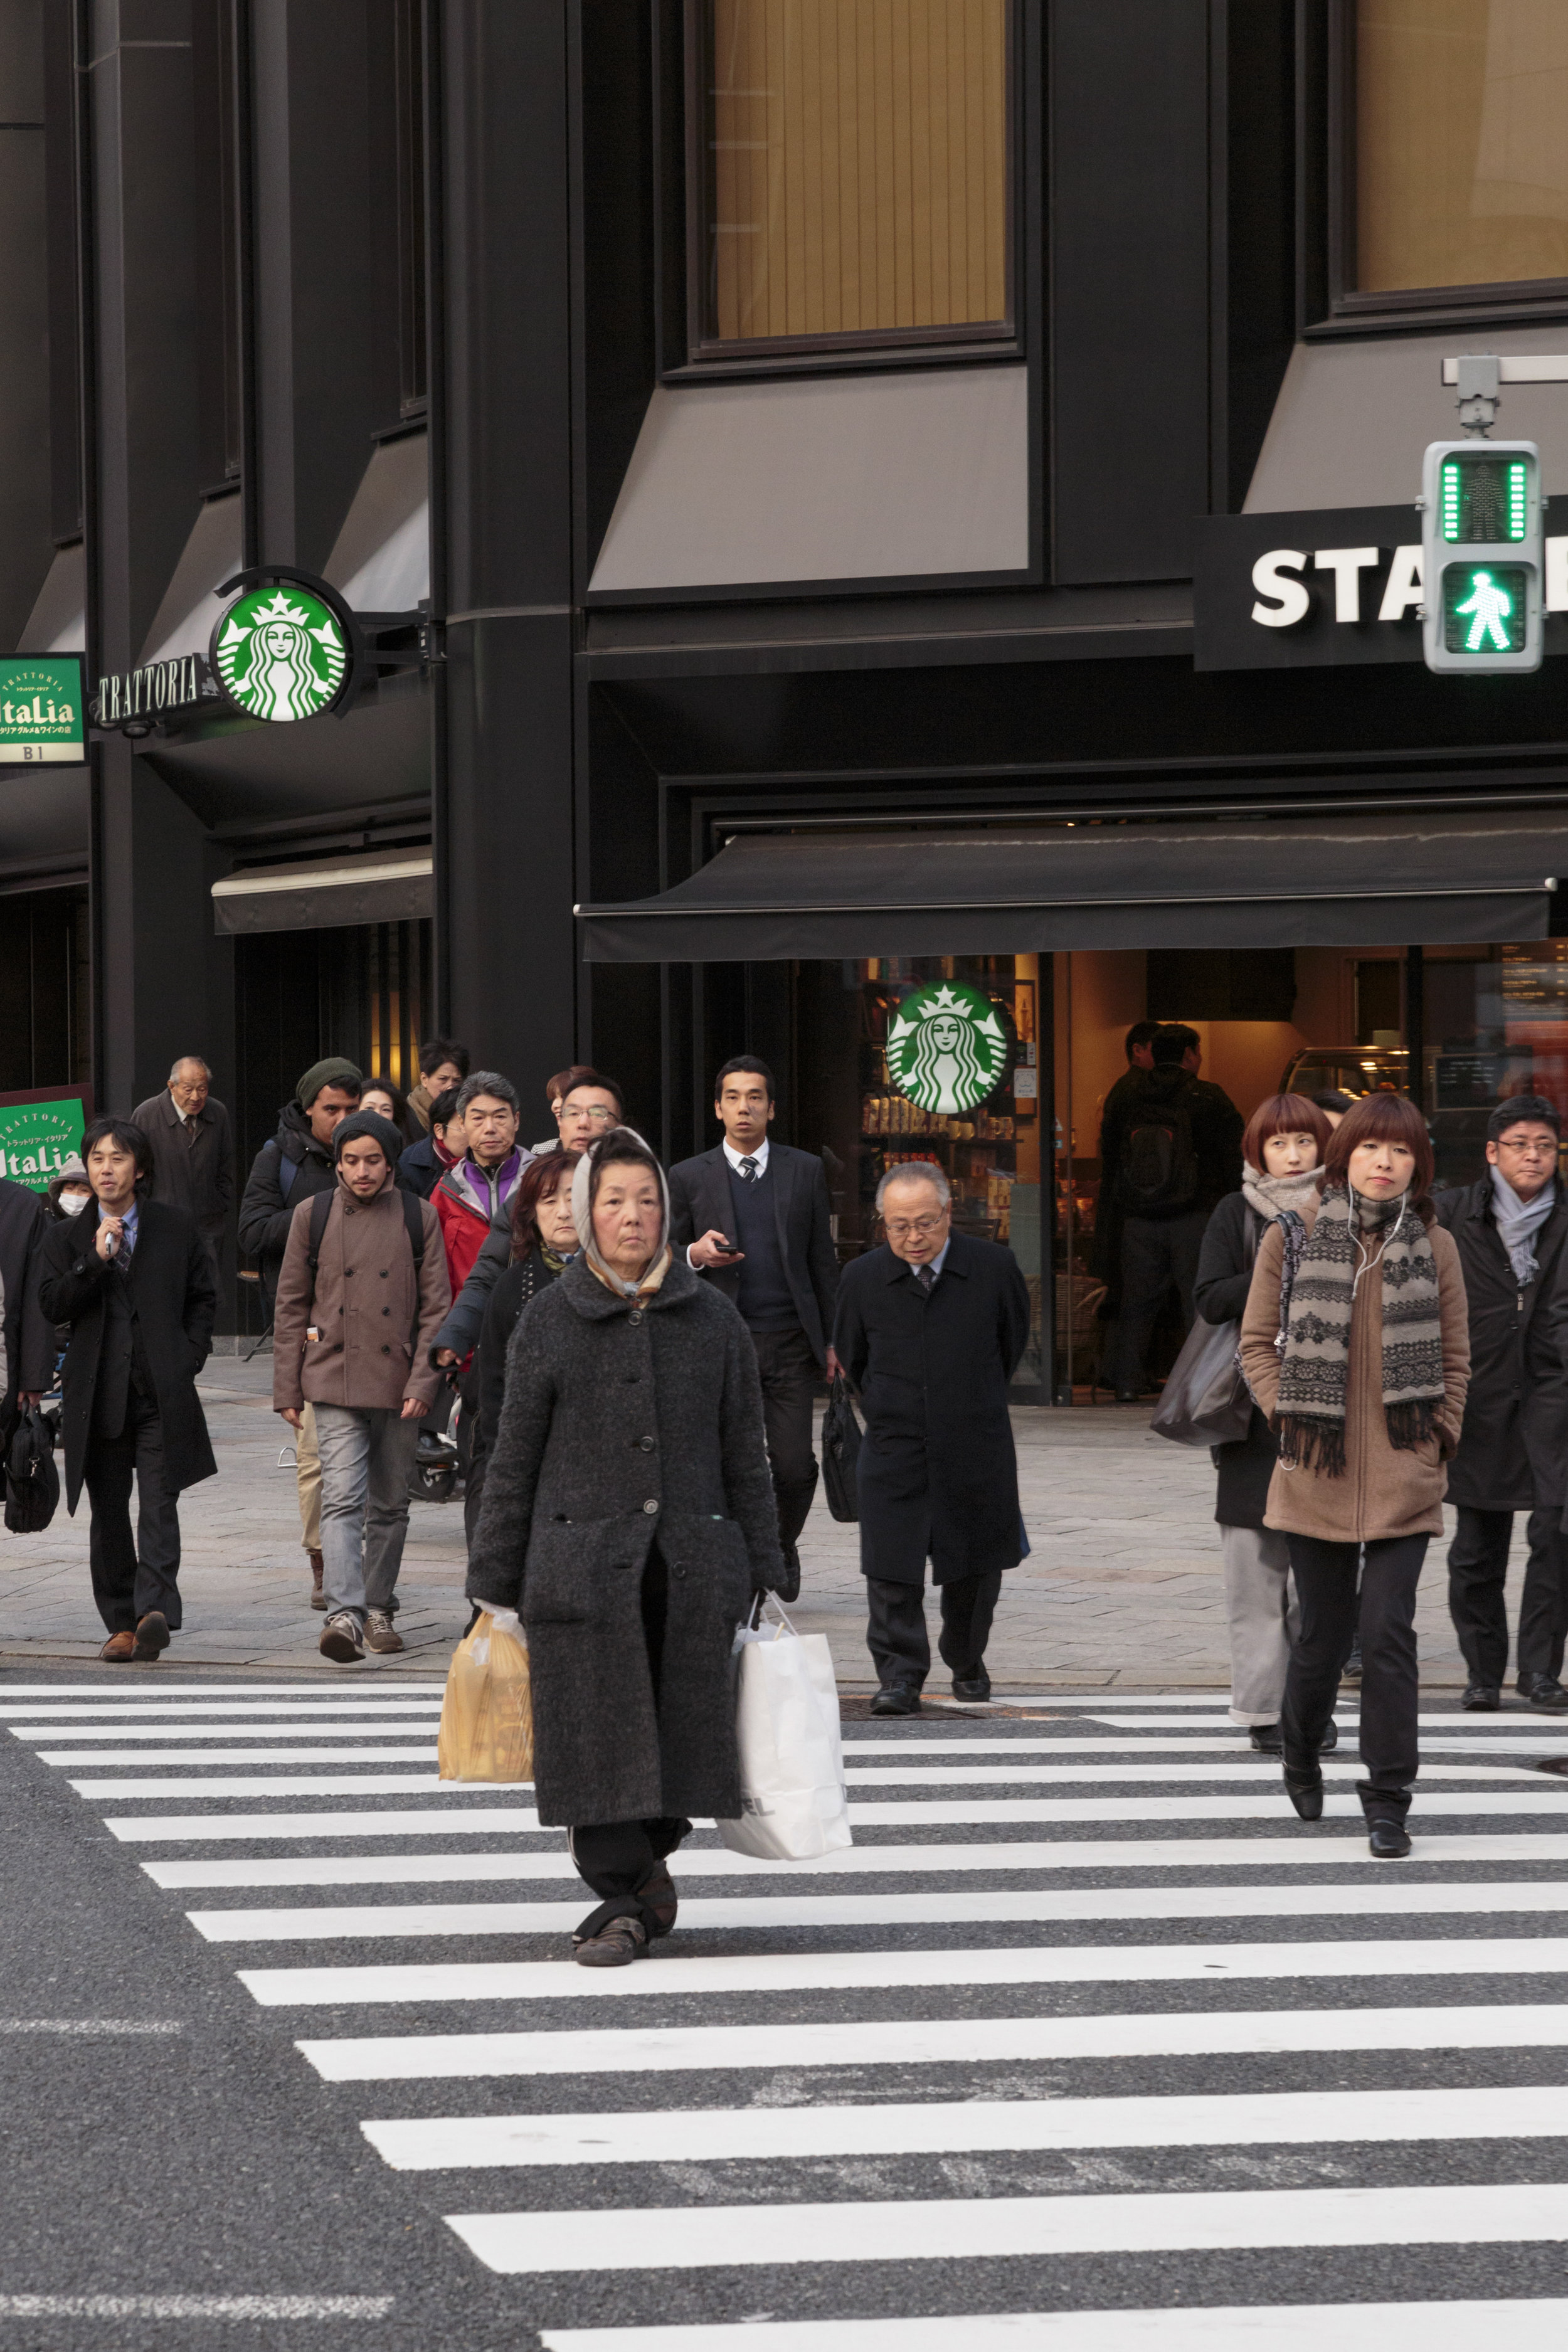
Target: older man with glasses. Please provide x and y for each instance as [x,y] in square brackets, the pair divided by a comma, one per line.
[930,1330]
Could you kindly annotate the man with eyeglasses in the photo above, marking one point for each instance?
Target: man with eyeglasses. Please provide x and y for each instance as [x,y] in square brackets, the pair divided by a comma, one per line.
[1514,1448]
[930,1330]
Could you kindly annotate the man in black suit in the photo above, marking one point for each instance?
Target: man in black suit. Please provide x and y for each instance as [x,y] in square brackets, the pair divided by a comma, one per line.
[26,1338]
[930,1329]
[133,1279]
[752,1216]
[192,1150]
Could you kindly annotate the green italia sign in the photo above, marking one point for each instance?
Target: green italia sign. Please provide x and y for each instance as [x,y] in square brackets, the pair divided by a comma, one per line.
[39,1130]
[41,709]
[280,653]
[946,1048]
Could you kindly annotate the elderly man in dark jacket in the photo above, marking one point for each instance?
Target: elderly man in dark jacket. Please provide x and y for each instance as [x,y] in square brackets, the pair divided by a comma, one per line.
[26,1336]
[133,1279]
[192,1150]
[1513,1449]
[930,1330]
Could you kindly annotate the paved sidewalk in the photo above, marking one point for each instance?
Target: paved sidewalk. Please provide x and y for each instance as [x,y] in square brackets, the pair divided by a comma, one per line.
[1123,1587]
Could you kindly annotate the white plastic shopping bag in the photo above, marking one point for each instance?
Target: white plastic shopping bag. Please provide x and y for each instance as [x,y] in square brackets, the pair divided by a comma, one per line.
[794,1805]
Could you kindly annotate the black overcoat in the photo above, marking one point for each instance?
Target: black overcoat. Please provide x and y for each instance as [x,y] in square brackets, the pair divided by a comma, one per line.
[29,1341]
[1513,1447]
[622,1424]
[193,1169]
[938,1473]
[174,1297]
[1219,1294]
[700,1201]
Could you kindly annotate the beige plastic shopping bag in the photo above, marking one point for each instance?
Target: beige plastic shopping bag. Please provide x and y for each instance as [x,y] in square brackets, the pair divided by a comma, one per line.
[487,1713]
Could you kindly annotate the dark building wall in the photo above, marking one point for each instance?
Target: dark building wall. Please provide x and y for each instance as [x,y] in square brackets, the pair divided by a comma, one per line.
[26,545]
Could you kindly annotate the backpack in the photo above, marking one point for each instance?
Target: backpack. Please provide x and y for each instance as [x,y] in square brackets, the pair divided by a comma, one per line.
[32,1481]
[1159,1168]
[413,1225]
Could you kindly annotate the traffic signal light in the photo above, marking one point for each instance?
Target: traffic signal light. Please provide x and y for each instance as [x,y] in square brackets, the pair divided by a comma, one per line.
[1483,553]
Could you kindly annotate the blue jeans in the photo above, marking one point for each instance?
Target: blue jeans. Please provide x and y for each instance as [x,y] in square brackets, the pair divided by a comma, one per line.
[367,1456]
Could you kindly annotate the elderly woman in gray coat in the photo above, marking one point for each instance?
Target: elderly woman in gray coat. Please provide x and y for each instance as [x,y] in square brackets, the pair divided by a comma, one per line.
[629,1514]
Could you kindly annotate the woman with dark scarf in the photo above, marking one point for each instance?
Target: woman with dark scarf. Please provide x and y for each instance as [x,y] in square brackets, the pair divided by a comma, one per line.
[544,1242]
[1283,1153]
[1364,1382]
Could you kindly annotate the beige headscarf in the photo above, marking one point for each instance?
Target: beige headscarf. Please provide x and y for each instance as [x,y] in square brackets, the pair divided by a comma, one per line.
[585,1183]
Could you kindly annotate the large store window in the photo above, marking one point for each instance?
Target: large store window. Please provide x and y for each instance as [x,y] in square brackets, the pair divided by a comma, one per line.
[1460,143]
[851,172]
[930,1059]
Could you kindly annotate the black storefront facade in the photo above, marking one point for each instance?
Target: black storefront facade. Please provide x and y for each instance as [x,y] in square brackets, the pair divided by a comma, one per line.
[806,503]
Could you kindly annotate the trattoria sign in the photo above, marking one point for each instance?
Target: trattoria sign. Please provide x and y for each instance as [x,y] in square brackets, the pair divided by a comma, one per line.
[1327,587]
[287,647]
[41,709]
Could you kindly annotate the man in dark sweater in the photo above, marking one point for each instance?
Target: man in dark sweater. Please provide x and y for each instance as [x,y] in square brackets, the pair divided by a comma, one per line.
[751,1216]
[1170,1151]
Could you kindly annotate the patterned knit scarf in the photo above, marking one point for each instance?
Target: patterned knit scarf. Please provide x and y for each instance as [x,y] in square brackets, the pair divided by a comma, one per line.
[1344,1249]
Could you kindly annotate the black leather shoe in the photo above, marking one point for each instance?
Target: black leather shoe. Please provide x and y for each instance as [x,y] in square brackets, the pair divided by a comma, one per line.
[1330,1738]
[1305,1790]
[1544,1693]
[1264,1739]
[973,1686]
[1480,1698]
[1389,1841]
[1351,1671]
[900,1700]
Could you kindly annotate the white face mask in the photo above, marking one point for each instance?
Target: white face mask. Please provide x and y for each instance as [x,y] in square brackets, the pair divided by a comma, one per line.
[73,1203]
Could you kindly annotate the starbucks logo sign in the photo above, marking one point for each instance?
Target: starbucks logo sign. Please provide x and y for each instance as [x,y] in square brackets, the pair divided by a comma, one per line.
[280,653]
[946,1048]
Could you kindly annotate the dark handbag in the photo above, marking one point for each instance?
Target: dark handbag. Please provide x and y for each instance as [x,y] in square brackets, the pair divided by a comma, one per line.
[1206,1400]
[840,1451]
[32,1481]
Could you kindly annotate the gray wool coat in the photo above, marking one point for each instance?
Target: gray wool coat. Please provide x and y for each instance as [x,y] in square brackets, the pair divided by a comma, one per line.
[622,1424]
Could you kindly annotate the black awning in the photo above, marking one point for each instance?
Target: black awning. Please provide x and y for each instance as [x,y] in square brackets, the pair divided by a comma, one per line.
[378,886]
[1006,890]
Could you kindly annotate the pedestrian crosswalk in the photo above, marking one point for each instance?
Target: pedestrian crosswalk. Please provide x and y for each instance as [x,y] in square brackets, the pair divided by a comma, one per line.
[1086,2043]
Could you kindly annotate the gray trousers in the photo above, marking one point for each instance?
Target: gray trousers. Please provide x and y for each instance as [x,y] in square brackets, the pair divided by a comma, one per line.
[1262,1618]
[367,1456]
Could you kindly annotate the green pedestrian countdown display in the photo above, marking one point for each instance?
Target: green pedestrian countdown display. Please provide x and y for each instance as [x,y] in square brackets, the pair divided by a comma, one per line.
[41,709]
[1483,555]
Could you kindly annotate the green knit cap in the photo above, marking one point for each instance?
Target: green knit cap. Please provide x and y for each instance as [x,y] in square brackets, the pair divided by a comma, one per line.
[333,1072]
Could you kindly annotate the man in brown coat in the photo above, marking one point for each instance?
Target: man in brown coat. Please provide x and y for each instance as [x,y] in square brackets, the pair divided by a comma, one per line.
[362,1294]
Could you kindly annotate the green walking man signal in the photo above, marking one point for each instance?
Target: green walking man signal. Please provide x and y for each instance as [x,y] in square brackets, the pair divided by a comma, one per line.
[1483,547]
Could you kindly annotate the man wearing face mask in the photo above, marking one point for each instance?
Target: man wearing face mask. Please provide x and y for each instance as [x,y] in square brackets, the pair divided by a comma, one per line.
[1509,1229]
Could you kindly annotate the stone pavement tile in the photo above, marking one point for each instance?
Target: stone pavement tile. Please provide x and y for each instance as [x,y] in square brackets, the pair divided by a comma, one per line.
[1122,1589]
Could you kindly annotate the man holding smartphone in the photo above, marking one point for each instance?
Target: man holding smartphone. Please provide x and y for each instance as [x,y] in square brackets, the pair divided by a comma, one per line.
[751,1216]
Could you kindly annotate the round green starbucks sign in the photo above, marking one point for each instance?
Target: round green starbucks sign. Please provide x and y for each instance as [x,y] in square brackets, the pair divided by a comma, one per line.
[280,653]
[946,1048]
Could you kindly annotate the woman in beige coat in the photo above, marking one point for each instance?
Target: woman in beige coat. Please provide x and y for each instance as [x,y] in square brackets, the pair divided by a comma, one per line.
[1364,1387]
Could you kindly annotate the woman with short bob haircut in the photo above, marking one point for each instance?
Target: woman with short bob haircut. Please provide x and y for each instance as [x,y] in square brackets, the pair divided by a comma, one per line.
[629,1514]
[1282,1157]
[1364,1388]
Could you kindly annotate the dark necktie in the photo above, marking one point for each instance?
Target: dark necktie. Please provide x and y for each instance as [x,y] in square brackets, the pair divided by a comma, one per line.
[926,1276]
[750,1171]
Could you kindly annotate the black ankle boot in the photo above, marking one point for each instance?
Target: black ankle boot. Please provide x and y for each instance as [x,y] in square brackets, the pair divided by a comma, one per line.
[1305,1790]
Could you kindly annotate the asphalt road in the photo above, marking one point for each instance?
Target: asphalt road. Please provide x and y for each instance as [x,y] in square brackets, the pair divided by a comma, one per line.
[1152,2065]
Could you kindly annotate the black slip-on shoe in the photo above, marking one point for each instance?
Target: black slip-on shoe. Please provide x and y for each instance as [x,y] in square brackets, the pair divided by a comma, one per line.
[1480,1698]
[1305,1790]
[898,1700]
[1389,1840]
[971,1686]
[1544,1693]
[1265,1739]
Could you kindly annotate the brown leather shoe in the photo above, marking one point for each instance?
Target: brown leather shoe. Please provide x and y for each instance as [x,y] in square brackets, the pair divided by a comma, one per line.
[658,1893]
[119,1650]
[152,1636]
[318,1598]
[615,1946]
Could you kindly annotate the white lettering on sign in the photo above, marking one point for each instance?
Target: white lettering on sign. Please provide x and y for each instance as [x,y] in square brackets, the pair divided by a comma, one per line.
[1271,576]
[1274,576]
[1347,564]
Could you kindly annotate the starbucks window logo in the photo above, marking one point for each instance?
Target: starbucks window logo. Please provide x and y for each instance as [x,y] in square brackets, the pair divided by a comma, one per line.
[280,653]
[946,1048]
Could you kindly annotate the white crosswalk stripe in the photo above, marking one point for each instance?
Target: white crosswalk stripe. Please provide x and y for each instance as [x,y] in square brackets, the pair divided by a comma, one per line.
[841,2066]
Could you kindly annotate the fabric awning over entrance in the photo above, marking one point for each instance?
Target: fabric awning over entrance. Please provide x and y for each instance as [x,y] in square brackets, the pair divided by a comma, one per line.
[389,886]
[1006,889]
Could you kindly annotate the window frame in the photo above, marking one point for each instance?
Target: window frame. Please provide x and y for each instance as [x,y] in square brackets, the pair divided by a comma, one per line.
[1332,302]
[688,355]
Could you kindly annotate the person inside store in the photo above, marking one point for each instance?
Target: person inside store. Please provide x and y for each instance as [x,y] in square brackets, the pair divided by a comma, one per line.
[1359,1358]
[1510,1230]
[392,1104]
[443,1067]
[133,1278]
[1170,1151]
[293,1166]
[359,1297]
[930,1330]
[423,1165]
[474,1196]
[1106,1253]
[629,1514]
[596,1104]
[192,1150]
[752,1217]
[1282,1155]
